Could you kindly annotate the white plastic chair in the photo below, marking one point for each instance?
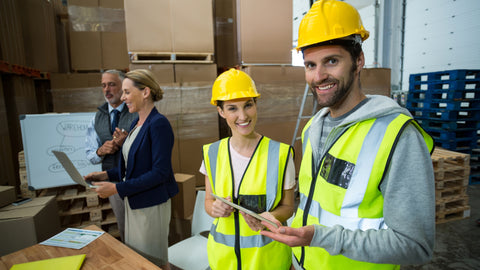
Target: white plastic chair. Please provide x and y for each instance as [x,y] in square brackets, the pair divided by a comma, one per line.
[191,253]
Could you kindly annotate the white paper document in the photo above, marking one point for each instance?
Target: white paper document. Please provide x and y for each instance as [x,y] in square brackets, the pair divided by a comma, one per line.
[73,238]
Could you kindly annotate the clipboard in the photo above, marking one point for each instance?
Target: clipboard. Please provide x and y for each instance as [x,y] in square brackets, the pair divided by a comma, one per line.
[245,210]
[71,170]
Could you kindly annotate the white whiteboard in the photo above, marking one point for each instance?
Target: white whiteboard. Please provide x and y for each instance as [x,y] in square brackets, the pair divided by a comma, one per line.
[42,133]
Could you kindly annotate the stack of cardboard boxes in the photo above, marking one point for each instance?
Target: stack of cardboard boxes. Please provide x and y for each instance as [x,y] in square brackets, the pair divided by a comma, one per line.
[27,52]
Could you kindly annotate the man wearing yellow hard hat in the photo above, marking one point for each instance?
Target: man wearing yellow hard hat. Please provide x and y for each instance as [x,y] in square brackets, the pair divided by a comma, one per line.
[366,181]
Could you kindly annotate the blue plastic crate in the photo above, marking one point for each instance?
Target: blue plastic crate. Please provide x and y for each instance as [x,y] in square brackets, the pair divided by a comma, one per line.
[444,95]
[453,136]
[443,104]
[446,75]
[446,85]
[460,145]
[434,124]
[446,115]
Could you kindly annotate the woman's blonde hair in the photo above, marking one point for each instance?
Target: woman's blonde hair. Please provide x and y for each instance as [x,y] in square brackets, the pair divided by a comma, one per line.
[142,78]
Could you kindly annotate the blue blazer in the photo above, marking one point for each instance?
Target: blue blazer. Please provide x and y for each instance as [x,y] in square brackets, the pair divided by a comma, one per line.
[149,178]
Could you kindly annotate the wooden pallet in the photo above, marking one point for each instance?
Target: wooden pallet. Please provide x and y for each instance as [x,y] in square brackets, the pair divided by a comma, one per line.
[450,168]
[451,190]
[453,203]
[442,157]
[79,207]
[451,214]
[170,57]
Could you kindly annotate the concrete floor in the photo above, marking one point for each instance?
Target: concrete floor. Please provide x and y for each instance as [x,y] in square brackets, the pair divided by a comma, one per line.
[457,243]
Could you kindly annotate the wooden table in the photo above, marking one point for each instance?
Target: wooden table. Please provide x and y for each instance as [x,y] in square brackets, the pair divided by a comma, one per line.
[106,252]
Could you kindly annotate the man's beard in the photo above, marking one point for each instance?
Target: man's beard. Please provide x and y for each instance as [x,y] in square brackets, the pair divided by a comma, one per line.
[341,92]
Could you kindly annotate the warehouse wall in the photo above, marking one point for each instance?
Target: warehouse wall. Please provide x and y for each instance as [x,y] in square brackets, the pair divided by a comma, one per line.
[441,35]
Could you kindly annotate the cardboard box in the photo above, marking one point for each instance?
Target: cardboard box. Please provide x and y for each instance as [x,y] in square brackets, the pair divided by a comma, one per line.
[264,33]
[192,26]
[184,202]
[195,73]
[164,73]
[28,224]
[376,81]
[97,35]
[169,26]
[7,195]
[114,38]
[85,46]
[149,26]
[75,80]
[180,229]
[77,99]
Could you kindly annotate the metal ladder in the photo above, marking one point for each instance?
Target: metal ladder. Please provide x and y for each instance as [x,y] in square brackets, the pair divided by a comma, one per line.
[306,94]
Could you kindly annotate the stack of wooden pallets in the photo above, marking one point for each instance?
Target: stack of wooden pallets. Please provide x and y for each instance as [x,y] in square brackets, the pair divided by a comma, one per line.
[452,171]
[80,207]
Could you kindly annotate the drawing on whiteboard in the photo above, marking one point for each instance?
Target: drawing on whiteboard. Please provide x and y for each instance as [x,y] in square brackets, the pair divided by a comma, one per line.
[44,133]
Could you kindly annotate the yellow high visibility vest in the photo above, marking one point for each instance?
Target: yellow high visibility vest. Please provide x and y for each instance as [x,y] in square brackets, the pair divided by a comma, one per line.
[345,189]
[231,243]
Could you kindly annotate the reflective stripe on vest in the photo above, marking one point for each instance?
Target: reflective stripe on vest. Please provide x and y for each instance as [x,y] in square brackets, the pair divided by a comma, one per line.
[245,241]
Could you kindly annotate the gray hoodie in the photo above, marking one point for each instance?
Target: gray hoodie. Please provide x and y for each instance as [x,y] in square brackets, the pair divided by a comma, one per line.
[408,190]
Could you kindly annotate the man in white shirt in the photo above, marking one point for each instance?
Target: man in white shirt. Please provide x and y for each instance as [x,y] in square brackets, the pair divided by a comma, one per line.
[100,144]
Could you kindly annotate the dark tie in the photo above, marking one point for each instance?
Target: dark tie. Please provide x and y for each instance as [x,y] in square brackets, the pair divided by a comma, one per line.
[116,115]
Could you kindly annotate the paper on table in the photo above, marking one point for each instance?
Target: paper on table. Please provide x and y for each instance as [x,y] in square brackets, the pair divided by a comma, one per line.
[65,263]
[245,210]
[73,238]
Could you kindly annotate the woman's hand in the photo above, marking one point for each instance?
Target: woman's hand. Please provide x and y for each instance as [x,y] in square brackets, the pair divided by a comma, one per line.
[221,209]
[105,189]
[256,224]
[119,136]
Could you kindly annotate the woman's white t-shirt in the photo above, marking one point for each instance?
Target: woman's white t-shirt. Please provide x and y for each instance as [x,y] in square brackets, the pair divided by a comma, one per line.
[240,163]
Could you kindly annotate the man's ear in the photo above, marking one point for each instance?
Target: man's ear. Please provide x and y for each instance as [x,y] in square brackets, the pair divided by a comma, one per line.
[360,62]
[220,111]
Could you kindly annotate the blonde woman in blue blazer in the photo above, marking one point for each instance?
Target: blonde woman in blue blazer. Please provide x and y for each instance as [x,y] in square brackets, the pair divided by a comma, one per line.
[144,176]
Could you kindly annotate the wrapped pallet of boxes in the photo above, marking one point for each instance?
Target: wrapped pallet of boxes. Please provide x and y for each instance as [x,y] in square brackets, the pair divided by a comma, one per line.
[194,122]
[253,32]
[169,29]
[281,89]
[97,35]
[28,224]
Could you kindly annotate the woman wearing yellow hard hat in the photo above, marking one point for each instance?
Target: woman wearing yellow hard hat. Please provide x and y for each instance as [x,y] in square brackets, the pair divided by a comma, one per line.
[250,170]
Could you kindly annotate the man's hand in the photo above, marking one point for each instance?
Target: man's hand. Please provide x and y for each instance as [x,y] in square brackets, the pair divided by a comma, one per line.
[109,147]
[96,176]
[293,237]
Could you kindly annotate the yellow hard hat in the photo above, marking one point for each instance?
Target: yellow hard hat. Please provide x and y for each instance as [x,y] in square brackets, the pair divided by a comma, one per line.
[233,84]
[327,20]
